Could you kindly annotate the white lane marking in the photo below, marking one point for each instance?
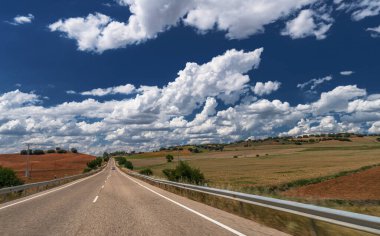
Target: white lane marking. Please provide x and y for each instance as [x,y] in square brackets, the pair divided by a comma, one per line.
[54,190]
[187,208]
[96,198]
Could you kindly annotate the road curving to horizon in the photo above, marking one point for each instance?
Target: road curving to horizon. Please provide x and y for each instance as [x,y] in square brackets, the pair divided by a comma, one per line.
[112,203]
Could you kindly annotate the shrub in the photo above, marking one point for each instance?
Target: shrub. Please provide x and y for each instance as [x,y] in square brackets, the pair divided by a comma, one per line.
[378,139]
[146,171]
[23,152]
[128,165]
[74,150]
[61,151]
[235,156]
[50,151]
[95,163]
[120,160]
[8,178]
[184,172]
[87,169]
[169,158]
[38,152]
[196,150]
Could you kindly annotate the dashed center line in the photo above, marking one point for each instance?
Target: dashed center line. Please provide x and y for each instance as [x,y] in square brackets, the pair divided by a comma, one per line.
[96,198]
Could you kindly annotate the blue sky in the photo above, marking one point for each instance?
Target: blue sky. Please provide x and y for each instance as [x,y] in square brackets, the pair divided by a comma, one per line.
[251,59]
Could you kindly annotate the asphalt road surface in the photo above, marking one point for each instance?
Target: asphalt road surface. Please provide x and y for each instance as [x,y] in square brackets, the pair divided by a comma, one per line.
[112,203]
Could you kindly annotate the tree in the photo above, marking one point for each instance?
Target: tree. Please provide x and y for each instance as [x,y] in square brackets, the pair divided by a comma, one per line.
[74,150]
[50,151]
[8,178]
[38,152]
[169,158]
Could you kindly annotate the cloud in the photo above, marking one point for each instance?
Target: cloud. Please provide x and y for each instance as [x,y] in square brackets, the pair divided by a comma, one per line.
[375,128]
[17,98]
[346,72]
[239,19]
[375,32]
[20,20]
[337,100]
[359,9]
[313,83]
[122,89]
[206,103]
[321,125]
[266,88]
[71,92]
[308,23]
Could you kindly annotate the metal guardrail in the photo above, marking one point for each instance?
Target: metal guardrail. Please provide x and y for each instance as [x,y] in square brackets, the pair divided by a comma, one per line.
[53,182]
[366,223]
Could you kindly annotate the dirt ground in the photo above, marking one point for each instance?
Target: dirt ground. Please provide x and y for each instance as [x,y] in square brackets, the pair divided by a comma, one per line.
[360,186]
[48,166]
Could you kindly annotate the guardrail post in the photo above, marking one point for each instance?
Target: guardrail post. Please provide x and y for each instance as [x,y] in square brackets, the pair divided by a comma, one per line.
[313,228]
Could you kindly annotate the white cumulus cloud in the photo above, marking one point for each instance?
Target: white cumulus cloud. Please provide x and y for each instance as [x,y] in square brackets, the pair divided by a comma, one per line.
[20,20]
[308,23]
[266,88]
[122,89]
[239,19]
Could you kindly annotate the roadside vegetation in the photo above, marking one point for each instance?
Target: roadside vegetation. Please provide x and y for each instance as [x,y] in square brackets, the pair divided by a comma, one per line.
[122,161]
[96,163]
[8,178]
[183,172]
[146,171]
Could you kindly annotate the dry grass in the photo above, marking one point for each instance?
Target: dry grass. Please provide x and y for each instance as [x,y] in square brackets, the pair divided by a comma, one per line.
[284,163]
[279,164]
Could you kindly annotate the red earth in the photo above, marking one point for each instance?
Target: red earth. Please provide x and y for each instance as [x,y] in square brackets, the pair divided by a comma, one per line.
[48,166]
[364,185]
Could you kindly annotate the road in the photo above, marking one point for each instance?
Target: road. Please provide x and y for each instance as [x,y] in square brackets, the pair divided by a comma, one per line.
[112,203]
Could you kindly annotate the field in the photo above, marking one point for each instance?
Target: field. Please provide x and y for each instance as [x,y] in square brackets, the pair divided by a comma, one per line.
[48,166]
[265,168]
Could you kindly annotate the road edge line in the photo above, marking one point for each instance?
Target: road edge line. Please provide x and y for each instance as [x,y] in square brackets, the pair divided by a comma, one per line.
[185,207]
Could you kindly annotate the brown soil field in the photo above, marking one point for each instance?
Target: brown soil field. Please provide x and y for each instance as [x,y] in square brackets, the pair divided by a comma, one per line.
[48,166]
[364,185]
